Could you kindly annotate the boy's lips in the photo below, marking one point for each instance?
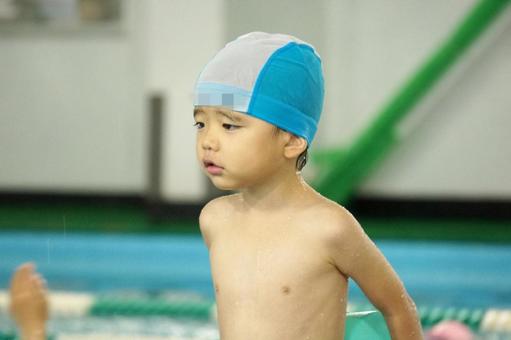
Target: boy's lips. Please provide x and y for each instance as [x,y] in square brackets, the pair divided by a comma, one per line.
[212,168]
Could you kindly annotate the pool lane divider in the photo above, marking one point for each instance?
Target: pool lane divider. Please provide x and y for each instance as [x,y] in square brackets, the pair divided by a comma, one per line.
[73,304]
[200,310]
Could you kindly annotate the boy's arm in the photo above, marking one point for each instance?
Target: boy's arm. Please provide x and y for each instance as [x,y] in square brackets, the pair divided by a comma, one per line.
[357,257]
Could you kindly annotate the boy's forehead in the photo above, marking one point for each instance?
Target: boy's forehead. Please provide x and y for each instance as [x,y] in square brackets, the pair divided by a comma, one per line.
[225,111]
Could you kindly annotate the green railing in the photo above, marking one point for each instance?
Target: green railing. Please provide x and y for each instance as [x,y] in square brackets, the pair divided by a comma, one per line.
[341,171]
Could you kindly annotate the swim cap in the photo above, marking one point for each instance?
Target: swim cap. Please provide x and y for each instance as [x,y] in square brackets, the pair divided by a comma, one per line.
[274,77]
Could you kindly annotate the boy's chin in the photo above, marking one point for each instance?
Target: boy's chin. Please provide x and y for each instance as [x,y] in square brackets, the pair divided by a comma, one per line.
[224,185]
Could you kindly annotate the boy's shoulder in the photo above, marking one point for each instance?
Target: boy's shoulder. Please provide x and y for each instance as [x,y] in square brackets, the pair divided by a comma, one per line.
[318,208]
[334,231]
[215,209]
[325,219]
[330,217]
[328,225]
[217,206]
[214,212]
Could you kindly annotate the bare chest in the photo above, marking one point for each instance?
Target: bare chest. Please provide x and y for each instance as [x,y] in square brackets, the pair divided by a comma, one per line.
[271,264]
[276,286]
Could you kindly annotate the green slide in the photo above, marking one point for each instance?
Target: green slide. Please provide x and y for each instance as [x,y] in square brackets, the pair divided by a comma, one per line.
[341,171]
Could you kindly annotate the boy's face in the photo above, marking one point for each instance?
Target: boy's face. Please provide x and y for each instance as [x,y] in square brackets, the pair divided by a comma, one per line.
[236,150]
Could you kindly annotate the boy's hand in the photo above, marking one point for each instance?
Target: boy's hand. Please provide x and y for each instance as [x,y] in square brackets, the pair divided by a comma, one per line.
[29,304]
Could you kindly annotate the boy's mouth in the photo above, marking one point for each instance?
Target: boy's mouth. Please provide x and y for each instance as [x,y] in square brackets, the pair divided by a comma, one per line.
[207,163]
[212,168]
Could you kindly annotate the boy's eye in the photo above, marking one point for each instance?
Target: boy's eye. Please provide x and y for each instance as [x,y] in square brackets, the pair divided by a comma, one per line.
[199,125]
[230,126]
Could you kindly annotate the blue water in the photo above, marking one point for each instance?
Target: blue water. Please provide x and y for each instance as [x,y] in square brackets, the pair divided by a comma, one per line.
[435,273]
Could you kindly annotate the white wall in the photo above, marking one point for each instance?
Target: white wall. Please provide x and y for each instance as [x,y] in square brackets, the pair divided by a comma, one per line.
[371,49]
[73,110]
[182,37]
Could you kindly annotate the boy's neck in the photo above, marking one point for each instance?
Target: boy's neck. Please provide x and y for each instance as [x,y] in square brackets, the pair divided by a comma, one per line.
[278,192]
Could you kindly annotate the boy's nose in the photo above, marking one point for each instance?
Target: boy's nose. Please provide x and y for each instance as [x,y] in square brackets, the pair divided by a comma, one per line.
[210,142]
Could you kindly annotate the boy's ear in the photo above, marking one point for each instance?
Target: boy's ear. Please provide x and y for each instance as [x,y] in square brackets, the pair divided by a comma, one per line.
[294,146]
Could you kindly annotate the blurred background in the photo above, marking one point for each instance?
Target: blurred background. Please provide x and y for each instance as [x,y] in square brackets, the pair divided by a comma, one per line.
[99,184]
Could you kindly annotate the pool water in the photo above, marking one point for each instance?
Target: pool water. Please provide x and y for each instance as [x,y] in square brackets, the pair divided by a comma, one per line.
[439,273]
[444,274]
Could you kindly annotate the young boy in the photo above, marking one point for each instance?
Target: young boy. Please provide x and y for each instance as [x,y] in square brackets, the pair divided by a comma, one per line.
[281,254]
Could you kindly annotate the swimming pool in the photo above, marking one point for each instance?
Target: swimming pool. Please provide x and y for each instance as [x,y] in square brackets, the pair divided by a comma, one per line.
[437,274]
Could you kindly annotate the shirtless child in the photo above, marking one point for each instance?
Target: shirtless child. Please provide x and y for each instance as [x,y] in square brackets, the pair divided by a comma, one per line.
[281,254]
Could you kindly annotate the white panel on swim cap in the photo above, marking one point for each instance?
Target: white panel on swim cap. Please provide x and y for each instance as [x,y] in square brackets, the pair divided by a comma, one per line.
[239,63]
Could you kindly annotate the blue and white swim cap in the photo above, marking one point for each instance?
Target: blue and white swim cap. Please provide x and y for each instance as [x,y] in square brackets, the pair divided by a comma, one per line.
[274,77]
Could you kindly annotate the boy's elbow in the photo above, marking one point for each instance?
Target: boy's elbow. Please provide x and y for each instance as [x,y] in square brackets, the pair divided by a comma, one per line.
[403,319]
[403,305]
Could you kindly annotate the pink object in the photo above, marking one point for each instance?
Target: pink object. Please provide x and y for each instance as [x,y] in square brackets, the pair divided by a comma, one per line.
[450,330]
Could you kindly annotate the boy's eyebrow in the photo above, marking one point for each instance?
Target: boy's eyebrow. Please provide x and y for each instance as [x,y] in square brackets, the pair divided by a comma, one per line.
[222,112]
[196,111]
[229,115]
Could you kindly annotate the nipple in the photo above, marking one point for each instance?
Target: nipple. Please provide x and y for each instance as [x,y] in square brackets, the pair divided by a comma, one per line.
[285,290]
